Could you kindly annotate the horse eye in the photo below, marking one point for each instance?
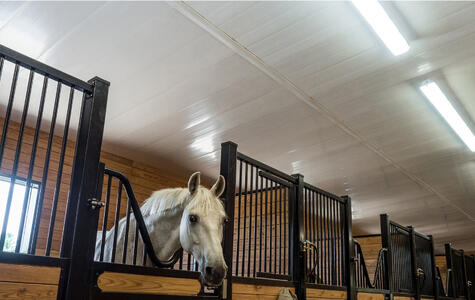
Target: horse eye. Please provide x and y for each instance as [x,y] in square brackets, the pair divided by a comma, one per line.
[193,218]
[226,220]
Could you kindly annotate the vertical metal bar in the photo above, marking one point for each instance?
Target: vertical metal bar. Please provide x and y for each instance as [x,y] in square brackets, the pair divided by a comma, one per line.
[251,193]
[228,170]
[60,174]
[265,225]
[306,214]
[84,234]
[188,266]
[106,216]
[136,243]
[16,160]
[280,229]
[255,218]
[274,204]
[31,167]
[298,255]
[325,239]
[180,262]
[413,260]
[8,113]
[286,222]
[350,255]
[271,199]
[39,203]
[464,275]
[116,222]
[1,67]
[239,217]
[260,224]
[385,243]
[244,222]
[333,243]
[435,286]
[127,227]
[451,287]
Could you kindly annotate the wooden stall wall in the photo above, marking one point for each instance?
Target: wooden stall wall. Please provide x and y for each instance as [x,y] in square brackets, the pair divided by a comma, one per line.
[370,245]
[441,262]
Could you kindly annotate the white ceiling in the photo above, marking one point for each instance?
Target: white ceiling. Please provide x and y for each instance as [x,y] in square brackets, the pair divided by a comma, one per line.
[304,86]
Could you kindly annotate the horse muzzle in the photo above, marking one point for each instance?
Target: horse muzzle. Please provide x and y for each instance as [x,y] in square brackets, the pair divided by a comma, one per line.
[214,275]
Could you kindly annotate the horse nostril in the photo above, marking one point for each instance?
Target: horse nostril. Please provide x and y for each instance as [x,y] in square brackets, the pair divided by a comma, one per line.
[209,271]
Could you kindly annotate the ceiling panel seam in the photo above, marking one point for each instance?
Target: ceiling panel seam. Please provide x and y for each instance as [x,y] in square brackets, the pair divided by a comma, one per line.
[283,81]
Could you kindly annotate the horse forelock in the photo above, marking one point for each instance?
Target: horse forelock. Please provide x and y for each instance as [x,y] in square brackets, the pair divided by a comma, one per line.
[169,201]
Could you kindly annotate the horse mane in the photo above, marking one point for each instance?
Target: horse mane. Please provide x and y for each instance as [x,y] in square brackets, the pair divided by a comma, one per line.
[168,201]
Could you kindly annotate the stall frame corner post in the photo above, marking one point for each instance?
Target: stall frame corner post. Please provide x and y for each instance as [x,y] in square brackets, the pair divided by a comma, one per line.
[228,171]
[297,237]
[414,270]
[386,244]
[350,257]
[81,218]
[451,285]
[434,269]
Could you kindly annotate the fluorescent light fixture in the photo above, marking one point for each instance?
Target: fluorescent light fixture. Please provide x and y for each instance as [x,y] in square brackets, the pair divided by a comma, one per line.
[433,93]
[375,15]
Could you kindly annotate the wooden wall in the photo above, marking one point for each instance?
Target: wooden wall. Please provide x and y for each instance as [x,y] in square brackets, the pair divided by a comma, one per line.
[370,246]
[28,282]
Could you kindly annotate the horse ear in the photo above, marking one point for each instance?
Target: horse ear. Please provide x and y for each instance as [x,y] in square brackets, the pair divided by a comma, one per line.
[218,187]
[194,182]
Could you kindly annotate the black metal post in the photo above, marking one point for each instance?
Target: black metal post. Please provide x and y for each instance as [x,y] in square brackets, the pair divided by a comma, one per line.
[451,287]
[83,217]
[435,284]
[465,279]
[386,244]
[297,237]
[414,271]
[350,270]
[228,170]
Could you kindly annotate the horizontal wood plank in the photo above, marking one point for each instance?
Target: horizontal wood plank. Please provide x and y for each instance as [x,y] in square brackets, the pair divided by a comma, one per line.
[132,283]
[29,274]
[325,294]
[27,291]
[370,296]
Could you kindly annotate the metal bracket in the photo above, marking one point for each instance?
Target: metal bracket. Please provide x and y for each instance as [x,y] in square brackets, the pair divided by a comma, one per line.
[94,203]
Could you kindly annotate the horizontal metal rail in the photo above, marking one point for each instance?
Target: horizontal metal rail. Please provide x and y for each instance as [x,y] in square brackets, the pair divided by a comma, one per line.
[45,70]
[265,167]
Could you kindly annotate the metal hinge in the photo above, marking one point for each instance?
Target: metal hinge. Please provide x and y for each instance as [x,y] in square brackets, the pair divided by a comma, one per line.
[94,203]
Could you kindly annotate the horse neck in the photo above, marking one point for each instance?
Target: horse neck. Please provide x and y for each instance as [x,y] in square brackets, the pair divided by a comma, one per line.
[164,232]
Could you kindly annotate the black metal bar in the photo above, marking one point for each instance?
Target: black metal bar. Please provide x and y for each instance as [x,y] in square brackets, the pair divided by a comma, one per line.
[1,66]
[106,216]
[39,203]
[465,280]
[255,222]
[385,243]
[261,203]
[60,174]
[16,161]
[265,225]
[84,236]
[8,113]
[265,167]
[228,170]
[31,167]
[250,224]
[116,222]
[239,218]
[286,222]
[297,235]
[323,192]
[350,252]
[271,207]
[274,178]
[280,230]
[274,204]
[273,276]
[127,227]
[244,222]
[40,68]
[415,278]
[435,286]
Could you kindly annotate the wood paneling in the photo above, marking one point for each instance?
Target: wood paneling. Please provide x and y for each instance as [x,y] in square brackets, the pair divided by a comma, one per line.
[320,294]
[370,296]
[28,282]
[441,262]
[29,274]
[402,298]
[132,283]
[27,291]
[370,247]
[243,291]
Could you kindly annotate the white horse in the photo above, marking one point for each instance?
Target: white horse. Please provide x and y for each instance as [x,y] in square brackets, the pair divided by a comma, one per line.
[191,218]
